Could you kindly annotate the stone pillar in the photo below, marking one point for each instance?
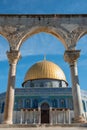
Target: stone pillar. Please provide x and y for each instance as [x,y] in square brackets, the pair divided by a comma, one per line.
[30,117]
[34,116]
[64,118]
[39,111]
[21,116]
[51,116]
[69,116]
[13,57]
[71,57]
[26,115]
[55,116]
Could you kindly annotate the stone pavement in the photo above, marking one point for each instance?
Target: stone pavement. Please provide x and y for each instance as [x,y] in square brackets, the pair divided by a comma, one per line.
[44,127]
[47,128]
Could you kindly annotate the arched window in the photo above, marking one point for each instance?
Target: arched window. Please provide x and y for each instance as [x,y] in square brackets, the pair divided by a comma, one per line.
[27,103]
[60,85]
[35,103]
[31,84]
[27,84]
[70,103]
[63,84]
[51,84]
[46,85]
[41,84]
[45,106]
[54,103]
[20,103]
[62,103]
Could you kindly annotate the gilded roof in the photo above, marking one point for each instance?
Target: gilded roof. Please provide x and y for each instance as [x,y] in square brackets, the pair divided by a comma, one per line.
[45,70]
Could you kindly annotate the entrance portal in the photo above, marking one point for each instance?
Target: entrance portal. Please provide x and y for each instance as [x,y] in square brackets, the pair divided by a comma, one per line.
[44,113]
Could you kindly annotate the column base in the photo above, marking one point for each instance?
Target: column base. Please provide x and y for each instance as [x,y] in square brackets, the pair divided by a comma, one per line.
[79,119]
[7,122]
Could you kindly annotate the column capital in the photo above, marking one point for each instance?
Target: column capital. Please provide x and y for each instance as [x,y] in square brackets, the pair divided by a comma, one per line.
[13,56]
[71,56]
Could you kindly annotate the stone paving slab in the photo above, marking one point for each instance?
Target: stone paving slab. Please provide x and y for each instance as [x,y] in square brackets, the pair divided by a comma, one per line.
[47,128]
[73,126]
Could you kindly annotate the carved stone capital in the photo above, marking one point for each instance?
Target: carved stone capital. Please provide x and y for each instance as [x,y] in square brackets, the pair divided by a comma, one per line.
[13,56]
[71,56]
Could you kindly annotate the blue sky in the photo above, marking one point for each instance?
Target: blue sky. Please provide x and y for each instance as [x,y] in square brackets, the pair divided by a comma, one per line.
[35,47]
[43,6]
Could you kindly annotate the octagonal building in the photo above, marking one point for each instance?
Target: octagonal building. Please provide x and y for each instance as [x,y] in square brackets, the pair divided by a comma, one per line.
[44,97]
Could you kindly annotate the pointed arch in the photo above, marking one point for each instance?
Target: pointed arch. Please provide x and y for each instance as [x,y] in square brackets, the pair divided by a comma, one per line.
[35,30]
[82,60]
[4,47]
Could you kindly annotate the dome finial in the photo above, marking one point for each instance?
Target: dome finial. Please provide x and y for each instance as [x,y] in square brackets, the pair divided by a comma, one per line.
[44,56]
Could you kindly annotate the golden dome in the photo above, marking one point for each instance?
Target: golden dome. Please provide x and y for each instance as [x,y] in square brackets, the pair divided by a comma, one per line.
[45,70]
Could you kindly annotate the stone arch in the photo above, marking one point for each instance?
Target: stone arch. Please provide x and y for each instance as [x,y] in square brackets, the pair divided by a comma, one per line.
[35,103]
[45,101]
[82,69]
[54,103]
[62,103]
[45,105]
[77,34]
[70,103]
[27,103]
[45,117]
[20,103]
[59,34]
[4,47]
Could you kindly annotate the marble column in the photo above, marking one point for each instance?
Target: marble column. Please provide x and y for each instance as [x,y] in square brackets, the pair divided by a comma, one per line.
[55,116]
[13,57]
[64,118]
[69,117]
[39,112]
[71,57]
[34,116]
[25,116]
[51,116]
[21,116]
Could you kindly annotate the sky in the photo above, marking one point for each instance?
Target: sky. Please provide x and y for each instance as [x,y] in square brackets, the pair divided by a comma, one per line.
[38,45]
[43,6]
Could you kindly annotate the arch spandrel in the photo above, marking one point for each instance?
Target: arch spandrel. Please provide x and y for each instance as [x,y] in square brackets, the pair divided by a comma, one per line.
[81,33]
[12,35]
[75,35]
[16,27]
